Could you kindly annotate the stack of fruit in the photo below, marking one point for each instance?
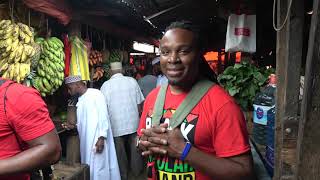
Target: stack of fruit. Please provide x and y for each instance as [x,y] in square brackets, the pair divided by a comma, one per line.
[115,56]
[50,69]
[95,57]
[17,50]
[98,73]
[106,69]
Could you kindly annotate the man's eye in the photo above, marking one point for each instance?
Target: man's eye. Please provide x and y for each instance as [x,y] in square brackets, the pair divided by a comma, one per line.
[164,52]
[184,51]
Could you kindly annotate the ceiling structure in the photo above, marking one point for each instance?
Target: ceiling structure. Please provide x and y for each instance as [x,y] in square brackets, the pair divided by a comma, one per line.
[146,19]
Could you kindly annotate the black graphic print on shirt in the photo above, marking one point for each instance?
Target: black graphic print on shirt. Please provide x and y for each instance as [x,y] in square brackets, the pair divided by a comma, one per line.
[164,167]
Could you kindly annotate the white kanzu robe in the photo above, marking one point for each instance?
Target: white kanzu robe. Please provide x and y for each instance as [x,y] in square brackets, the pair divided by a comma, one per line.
[92,123]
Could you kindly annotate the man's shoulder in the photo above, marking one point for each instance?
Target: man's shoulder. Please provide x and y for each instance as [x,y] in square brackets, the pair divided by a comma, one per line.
[218,96]
[130,78]
[153,94]
[17,90]
[94,92]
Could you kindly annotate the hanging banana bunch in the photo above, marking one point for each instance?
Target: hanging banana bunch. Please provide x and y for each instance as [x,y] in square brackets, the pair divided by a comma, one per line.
[50,67]
[17,50]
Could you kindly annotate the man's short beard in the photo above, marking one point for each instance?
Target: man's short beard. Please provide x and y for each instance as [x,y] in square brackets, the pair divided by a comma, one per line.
[174,83]
[181,84]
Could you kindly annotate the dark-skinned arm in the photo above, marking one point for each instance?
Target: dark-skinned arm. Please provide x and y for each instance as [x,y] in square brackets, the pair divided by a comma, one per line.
[233,168]
[160,141]
[43,151]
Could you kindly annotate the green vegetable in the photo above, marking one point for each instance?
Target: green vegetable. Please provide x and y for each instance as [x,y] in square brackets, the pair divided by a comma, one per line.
[243,81]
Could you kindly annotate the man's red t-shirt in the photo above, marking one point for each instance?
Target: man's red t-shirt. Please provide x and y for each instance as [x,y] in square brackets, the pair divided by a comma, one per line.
[26,118]
[215,126]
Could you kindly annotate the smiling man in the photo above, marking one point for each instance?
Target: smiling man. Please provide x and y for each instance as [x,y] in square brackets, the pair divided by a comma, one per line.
[210,141]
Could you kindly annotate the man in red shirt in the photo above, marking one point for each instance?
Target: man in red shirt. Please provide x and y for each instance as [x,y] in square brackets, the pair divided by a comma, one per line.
[28,139]
[212,141]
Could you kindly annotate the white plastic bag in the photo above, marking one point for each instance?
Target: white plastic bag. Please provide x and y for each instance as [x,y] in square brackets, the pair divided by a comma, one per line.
[241,33]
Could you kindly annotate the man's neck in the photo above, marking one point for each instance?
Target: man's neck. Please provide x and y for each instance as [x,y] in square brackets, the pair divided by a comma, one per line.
[84,90]
[178,89]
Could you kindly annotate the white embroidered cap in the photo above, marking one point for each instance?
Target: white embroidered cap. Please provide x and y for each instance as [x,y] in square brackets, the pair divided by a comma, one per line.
[116,66]
[72,79]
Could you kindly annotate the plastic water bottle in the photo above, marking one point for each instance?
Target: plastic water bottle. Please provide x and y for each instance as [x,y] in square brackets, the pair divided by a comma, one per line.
[263,102]
[269,157]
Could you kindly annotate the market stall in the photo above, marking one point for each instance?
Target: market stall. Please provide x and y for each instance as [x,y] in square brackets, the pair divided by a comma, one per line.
[39,51]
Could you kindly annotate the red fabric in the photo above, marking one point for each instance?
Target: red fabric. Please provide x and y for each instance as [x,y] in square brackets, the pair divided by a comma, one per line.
[27,119]
[218,128]
[59,9]
[67,52]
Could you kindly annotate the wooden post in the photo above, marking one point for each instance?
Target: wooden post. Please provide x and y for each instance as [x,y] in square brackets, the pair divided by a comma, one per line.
[220,68]
[289,55]
[309,133]
[73,141]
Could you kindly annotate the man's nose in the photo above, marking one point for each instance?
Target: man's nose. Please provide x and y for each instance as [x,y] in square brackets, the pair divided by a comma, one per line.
[174,58]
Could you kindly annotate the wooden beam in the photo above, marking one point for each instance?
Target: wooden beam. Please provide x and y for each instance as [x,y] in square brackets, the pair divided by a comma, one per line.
[289,55]
[308,142]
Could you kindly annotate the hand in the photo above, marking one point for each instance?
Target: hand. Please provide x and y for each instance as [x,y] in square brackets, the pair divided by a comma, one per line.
[100,145]
[173,143]
[68,126]
[154,132]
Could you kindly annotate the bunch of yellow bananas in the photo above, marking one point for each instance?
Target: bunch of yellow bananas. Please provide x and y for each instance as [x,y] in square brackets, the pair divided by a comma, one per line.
[50,68]
[17,49]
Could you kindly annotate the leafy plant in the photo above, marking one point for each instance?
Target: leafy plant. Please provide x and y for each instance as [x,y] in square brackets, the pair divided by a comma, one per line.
[243,81]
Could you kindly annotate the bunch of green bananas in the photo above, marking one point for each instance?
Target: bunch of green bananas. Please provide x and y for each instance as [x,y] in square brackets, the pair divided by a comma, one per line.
[50,67]
[107,73]
[115,56]
[17,49]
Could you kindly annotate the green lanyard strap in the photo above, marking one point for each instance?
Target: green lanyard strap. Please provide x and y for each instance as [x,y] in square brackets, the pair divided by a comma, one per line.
[187,105]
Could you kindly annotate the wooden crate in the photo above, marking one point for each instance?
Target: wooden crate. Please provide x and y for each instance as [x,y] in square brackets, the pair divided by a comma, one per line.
[64,171]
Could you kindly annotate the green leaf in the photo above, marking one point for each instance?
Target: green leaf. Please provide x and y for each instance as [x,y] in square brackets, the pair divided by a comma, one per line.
[252,90]
[233,91]
[245,79]
[259,76]
[230,70]
[237,66]
[226,76]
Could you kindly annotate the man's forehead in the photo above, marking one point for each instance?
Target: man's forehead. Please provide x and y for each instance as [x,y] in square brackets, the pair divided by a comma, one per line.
[177,35]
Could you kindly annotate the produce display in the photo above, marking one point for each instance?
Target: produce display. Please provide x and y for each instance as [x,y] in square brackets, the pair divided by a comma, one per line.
[95,57]
[115,56]
[98,73]
[79,59]
[105,55]
[106,69]
[17,50]
[243,81]
[50,69]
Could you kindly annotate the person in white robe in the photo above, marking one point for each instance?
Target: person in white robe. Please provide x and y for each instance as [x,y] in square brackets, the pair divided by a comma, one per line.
[96,140]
